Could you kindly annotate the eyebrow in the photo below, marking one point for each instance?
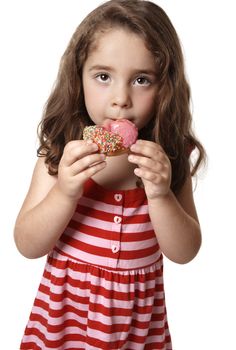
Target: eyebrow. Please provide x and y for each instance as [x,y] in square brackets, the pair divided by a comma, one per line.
[134,71]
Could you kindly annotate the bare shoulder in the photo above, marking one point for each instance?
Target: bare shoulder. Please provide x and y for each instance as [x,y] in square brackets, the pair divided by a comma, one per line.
[41,184]
[186,200]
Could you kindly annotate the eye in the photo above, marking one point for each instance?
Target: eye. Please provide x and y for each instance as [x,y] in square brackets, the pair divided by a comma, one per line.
[143,81]
[102,77]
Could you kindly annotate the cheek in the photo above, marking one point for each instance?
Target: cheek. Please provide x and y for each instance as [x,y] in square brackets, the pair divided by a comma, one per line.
[93,93]
[94,102]
[89,94]
[146,106]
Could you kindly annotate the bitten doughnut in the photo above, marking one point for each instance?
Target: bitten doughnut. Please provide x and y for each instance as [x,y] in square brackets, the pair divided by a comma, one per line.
[114,137]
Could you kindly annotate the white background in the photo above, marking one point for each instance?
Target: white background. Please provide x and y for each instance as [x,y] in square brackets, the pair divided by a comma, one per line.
[34,34]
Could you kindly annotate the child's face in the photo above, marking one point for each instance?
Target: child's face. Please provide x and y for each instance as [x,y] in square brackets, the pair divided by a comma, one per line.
[119,79]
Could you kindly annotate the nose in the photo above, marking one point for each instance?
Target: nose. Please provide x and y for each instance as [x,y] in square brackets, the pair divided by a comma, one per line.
[121,97]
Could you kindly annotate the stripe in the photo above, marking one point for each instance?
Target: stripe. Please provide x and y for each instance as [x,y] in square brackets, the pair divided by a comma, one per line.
[107,261]
[133,217]
[106,225]
[31,341]
[98,206]
[78,237]
[61,262]
[111,208]
[101,233]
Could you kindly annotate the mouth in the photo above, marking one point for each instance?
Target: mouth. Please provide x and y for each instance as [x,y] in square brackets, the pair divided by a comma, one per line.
[107,122]
[117,119]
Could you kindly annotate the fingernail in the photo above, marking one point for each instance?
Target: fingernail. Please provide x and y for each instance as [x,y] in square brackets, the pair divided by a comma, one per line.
[130,157]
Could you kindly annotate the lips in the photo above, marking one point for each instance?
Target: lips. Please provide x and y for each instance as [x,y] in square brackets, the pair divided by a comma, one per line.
[106,124]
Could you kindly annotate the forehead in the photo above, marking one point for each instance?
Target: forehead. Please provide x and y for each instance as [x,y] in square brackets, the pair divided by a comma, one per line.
[119,46]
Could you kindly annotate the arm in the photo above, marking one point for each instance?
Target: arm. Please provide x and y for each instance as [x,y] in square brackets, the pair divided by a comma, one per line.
[51,201]
[174,219]
[176,224]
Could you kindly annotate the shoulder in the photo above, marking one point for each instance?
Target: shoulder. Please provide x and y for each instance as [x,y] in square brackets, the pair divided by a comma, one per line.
[41,184]
[41,176]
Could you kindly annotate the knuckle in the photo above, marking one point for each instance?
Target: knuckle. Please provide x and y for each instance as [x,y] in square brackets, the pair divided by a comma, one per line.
[91,158]
[89,172]
[152,177]
[158,179]
[69,145]
[144,161]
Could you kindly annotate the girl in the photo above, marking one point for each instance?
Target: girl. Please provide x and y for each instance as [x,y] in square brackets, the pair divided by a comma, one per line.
[104,231]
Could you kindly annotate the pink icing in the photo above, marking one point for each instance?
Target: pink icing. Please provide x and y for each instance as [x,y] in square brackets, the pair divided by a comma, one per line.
[125,128]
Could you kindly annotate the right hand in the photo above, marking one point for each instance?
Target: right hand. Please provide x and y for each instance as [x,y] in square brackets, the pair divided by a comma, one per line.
[78,163]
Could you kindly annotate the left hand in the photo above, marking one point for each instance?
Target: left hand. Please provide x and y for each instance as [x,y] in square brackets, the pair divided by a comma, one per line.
[154,167]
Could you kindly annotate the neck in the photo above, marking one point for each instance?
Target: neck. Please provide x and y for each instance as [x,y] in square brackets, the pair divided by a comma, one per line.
[118,174]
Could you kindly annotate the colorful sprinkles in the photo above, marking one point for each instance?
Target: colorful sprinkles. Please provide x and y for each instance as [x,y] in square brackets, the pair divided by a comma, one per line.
[107,142]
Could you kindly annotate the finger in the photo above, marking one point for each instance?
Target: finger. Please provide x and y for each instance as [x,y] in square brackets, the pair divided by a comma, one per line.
[155,166]
[147,149]
[86,162]
[75,150]
[150,144]
[91,171]
[145,174]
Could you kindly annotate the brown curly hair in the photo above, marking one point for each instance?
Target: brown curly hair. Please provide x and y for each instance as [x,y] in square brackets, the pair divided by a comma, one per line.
[65,114]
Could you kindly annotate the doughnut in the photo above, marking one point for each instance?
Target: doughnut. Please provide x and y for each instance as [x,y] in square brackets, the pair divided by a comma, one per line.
[114,137]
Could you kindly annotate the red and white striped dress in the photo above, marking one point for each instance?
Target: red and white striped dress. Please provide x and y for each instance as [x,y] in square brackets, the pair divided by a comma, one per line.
[102,286]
